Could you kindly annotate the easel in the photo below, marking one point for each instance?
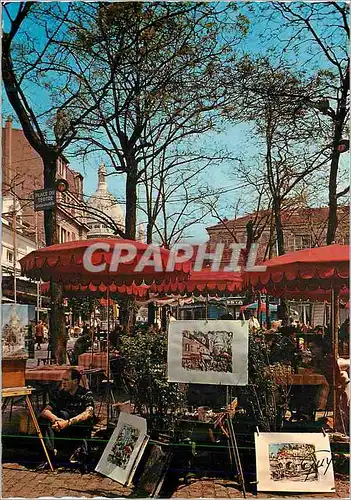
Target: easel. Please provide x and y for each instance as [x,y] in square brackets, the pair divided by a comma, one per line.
[14,392]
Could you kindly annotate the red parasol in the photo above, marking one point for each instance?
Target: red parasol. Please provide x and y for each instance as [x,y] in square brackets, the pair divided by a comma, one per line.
[66,263]
[204,282]
[310,269]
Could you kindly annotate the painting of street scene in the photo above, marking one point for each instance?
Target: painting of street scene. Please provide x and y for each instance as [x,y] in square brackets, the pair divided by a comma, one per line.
[123,447]
[293,462]
[207,351]
[15,323]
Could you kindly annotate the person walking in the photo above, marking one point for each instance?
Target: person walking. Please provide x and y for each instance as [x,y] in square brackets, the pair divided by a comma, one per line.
[39,334]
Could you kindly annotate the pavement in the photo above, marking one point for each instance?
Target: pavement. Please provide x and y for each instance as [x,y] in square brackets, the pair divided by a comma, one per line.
[17,481]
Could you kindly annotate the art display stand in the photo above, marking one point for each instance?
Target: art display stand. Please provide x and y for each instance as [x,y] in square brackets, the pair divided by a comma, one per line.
[14,392]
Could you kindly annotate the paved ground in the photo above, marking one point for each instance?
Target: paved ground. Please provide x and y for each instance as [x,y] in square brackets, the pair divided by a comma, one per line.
[18,481]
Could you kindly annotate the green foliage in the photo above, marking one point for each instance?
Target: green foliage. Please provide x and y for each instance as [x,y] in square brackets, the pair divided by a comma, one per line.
[262,399]
[154,397]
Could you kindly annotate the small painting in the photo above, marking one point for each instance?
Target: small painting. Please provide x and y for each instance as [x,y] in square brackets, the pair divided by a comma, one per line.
[15,324]
[121,454]
[123,447]
[294,462]
[208,352]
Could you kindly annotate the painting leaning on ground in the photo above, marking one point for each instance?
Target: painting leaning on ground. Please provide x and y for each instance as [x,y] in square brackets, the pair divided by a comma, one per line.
[124,446]
[207,351]
[293,462]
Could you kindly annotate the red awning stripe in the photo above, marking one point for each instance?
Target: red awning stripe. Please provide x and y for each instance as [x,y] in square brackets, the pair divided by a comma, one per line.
[64,263]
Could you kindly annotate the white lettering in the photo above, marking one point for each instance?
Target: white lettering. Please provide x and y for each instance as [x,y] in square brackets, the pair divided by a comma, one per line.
[151,257]
[215,257]
[181,252]
[87,257]
[117,257]
[251,260]
[234,260]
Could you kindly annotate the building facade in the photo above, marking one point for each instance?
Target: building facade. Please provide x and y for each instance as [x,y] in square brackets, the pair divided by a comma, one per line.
[302,228]
[22,173]
[22,226]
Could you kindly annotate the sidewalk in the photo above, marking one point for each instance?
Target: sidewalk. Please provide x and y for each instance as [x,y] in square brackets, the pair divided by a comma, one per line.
[17,481]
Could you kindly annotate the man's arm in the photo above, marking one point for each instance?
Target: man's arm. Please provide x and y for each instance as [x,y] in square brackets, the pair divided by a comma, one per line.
[85,415]
[48,414]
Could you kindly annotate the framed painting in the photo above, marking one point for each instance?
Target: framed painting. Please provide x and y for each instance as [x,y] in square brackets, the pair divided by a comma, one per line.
[122,452]
[208,352]
[158,459]
[294,462]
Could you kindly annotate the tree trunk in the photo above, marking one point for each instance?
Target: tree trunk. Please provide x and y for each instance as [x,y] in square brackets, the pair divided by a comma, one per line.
[131,204]
[58,341]
[278,227]
[339,123]
[149,232]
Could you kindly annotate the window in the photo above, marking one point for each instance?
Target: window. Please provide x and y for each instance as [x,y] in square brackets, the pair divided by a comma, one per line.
[9,256]
[302,241]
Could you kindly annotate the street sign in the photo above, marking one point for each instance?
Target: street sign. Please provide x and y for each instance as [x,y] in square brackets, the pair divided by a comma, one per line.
[44,199]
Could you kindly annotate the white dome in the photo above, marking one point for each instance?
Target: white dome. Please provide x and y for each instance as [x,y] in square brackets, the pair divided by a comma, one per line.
[105,202]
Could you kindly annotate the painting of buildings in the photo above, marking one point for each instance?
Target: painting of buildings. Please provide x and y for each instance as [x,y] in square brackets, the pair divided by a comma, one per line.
[207,351]
[293,462]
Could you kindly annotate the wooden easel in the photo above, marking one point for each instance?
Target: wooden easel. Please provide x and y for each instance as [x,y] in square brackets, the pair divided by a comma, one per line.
[14,392]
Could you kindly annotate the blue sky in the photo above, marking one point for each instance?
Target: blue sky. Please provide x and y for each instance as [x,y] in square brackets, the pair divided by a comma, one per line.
[238,139]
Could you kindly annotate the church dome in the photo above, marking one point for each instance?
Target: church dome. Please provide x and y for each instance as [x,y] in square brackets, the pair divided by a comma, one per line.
[105,204]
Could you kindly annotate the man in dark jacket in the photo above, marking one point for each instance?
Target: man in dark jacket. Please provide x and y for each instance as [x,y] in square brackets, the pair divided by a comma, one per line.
[69,417]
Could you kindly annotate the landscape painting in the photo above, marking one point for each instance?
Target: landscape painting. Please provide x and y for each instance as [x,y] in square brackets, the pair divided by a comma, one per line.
[294,462]
[119,458]
[15,320]
[208,352]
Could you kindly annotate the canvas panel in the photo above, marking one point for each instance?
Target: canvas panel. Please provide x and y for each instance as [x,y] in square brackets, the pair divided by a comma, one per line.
[208,352]
[123,448]
[294,462]
[15,319]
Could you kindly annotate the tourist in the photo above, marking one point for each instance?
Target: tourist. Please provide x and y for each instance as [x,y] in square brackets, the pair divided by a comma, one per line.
[39,334]
[69,415]
[254,324]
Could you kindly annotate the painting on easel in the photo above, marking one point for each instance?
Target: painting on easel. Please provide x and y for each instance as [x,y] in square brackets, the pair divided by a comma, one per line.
[15,320]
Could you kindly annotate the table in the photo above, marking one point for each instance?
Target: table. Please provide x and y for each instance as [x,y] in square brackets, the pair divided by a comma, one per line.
[306,379]
[95,360]
[53,373]
[14,392]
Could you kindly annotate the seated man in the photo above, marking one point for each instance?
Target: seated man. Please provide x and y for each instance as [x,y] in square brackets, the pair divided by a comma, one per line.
[69,417]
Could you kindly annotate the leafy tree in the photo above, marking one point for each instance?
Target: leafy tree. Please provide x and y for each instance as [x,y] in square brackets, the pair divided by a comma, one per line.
[146,370]
[164,65]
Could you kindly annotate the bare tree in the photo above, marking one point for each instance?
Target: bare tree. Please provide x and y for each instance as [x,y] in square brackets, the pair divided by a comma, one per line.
[167,87]
[319,35]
